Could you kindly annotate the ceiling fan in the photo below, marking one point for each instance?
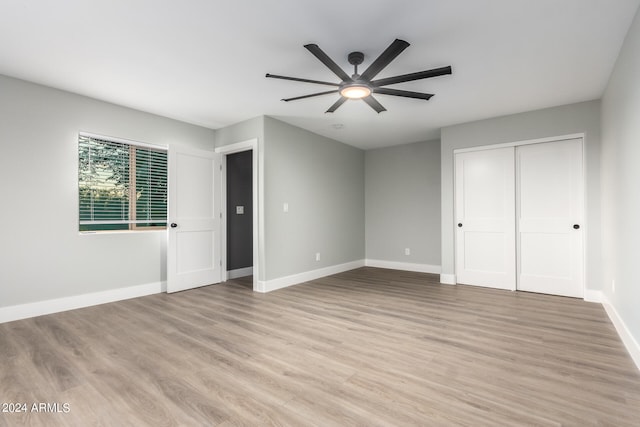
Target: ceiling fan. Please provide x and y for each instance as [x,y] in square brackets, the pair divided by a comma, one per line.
[362,86]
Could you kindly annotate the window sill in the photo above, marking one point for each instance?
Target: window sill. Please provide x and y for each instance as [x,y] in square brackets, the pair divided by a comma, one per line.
[101,233]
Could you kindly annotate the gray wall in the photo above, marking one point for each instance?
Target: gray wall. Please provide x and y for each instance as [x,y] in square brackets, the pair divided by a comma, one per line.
[575,118]
[239,226]
[402,193]
[621,182]
[240,132]
[322,180]
[42,255]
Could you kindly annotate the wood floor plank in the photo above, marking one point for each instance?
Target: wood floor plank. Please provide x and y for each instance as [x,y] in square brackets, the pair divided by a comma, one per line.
[366,347]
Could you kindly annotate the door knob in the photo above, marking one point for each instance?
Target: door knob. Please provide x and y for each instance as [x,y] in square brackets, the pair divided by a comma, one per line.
[174,225]
[576,226]
[459,224]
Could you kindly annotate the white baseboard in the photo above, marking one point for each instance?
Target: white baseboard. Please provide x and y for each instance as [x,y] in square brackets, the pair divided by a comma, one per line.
[40,308]
[240,272]
[628,340]
[283,282]
[448,279]
[593,296]
[262,287]
[405,266]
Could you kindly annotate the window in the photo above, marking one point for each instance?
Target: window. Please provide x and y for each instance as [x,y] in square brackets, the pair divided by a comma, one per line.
[122,185]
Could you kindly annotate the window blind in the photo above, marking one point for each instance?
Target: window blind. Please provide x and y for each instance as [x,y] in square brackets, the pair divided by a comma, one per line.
[122,186]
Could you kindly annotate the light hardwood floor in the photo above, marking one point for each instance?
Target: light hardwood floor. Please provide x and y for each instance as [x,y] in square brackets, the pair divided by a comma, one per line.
[366,347]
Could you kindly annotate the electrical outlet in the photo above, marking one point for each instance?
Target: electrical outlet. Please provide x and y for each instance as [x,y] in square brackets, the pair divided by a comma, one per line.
[317,256]
[407,251]
[285,207]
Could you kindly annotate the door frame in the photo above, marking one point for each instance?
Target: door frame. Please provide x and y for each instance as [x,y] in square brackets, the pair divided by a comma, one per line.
[585,227]
[248,145]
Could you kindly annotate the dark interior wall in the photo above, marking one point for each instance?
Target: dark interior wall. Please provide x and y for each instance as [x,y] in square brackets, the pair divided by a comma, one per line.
[239,226]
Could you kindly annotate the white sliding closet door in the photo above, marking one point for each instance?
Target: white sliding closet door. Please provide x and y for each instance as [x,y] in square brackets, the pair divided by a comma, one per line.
[550,219]
[485,218]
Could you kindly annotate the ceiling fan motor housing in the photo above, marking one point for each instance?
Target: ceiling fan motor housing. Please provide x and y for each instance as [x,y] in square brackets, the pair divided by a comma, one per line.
[355,58]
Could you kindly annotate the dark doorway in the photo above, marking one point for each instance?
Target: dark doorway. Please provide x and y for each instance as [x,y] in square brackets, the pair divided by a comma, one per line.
[239,214]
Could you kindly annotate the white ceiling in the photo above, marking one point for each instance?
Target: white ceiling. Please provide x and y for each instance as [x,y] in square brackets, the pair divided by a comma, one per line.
[204,61]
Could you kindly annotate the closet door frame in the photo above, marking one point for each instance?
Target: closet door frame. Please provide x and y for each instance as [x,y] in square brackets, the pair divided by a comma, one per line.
[584,190]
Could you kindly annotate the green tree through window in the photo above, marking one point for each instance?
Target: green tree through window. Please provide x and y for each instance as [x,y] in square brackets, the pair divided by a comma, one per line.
[122,186]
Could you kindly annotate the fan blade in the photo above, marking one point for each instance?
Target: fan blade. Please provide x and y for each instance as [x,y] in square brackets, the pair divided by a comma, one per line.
[324,58]
[405,93]
[384,59]
[296,79]
[336,105]
[373,103]
[310,96]
[412,76]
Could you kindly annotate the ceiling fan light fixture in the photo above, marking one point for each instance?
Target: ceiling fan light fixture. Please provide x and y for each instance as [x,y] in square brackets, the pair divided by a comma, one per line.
[355,91]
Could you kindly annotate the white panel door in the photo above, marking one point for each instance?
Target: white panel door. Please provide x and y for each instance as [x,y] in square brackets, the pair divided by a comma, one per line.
[193,249]
[485,218]
[550,219]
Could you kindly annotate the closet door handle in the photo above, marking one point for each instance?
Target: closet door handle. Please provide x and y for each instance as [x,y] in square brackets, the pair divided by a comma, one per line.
[174,225]
[576,226]
[460,224]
